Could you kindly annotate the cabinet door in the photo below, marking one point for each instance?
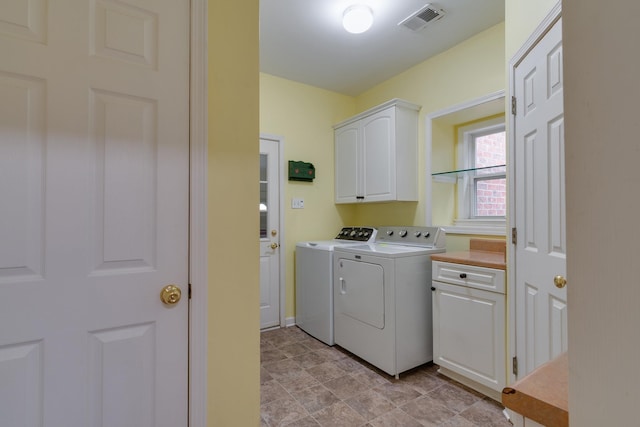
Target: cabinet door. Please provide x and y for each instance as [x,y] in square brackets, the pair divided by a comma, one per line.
[379,156]
[469,333]
[347,164]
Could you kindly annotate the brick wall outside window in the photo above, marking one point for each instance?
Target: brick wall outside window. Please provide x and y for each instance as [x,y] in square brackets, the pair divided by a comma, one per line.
[491,194]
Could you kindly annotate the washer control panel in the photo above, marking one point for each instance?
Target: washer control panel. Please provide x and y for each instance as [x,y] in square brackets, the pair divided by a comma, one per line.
[357,234]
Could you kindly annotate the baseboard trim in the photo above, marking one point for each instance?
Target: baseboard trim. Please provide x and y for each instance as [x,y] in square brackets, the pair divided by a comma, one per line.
[493,394]
[289,321]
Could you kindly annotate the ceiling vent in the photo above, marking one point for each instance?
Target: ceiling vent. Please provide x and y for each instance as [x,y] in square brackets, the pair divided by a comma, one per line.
[419,19]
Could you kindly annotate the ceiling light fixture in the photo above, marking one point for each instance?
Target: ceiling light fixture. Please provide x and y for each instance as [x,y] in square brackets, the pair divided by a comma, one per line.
[357,18]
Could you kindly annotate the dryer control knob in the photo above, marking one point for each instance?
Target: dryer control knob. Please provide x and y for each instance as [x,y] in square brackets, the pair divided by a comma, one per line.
[403,233]
[417,234]
[426,234]
[390,233]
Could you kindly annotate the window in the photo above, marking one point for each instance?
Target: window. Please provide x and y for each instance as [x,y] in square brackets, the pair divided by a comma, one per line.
[482,191]
[264,184]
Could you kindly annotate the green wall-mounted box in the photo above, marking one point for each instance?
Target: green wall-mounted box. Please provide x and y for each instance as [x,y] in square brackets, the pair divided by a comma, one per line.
[301,171]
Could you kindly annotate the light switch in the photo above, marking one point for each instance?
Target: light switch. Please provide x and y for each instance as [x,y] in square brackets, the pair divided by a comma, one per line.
[297,203]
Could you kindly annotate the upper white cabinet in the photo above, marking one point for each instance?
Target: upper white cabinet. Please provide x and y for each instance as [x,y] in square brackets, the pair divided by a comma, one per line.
[376,154]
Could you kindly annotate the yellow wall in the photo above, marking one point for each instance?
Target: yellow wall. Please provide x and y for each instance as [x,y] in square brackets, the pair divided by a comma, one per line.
[443,158]
[303,115]
[521,18]
[472,69]
[234,352]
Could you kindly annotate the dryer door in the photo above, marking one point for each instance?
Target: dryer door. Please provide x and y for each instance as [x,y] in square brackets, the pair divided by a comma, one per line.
[360,291]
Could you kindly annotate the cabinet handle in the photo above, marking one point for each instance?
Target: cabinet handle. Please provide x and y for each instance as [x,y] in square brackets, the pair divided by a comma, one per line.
[433,288]
[360,197]
[463,275]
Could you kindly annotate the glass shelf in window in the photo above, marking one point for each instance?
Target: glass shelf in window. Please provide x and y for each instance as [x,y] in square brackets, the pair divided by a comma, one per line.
[452,176]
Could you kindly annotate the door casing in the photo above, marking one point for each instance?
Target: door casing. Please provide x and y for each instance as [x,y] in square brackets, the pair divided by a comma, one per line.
[198,257]
[283,242]
[534,38]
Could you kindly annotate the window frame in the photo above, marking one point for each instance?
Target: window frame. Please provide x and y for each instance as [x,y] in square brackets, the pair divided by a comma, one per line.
[467,182]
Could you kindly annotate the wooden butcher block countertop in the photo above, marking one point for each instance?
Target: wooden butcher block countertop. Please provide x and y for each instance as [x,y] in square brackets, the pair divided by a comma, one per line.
[543,395]
[481,253]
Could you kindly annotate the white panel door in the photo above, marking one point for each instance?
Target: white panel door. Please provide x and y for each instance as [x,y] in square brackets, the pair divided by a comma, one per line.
[269,235]
[541,307]
[94,215]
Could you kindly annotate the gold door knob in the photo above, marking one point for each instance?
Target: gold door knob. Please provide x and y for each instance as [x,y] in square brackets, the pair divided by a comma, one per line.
[170,294]
[560,282]
[274,246]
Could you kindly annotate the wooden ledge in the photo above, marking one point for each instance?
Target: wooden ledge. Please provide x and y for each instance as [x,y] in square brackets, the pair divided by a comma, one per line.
[543,395]
[475,258]
[486,245]
[482,253]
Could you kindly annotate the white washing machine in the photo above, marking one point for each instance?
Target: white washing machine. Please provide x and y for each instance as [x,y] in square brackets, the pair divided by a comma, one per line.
[382,297]
[314,280]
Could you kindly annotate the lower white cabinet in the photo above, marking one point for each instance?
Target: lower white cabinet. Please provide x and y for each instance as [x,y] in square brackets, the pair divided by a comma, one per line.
[521,421]
[469,324]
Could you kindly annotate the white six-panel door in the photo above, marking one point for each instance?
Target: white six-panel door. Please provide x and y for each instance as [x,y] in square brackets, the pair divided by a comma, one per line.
[541,307]
[93,212]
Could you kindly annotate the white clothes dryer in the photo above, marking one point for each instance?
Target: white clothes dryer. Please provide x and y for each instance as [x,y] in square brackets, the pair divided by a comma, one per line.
[314,280]
[382,297]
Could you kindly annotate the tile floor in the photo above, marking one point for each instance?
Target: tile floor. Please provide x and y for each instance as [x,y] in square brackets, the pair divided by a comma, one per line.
[307,383]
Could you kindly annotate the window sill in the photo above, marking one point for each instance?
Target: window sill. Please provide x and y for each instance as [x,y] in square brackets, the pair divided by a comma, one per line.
[481,227]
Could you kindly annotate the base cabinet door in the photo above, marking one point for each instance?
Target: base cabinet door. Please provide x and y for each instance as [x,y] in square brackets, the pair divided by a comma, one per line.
[521,421]
[469,333]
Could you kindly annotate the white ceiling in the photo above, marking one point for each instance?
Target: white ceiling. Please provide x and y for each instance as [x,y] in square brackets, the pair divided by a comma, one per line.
[303,40]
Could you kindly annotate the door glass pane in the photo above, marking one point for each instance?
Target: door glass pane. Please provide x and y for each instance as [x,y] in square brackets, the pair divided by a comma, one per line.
[263,167]
[263,196]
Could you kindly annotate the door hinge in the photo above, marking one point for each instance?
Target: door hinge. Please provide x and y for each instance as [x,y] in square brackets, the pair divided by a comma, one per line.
[189,292]
[513,105]
[514,236]
[514,366]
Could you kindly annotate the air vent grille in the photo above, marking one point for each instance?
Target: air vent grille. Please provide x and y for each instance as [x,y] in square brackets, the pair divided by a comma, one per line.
[428,15]
[419,19]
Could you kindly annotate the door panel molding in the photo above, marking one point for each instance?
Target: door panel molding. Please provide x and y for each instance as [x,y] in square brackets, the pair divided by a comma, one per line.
[24,104]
